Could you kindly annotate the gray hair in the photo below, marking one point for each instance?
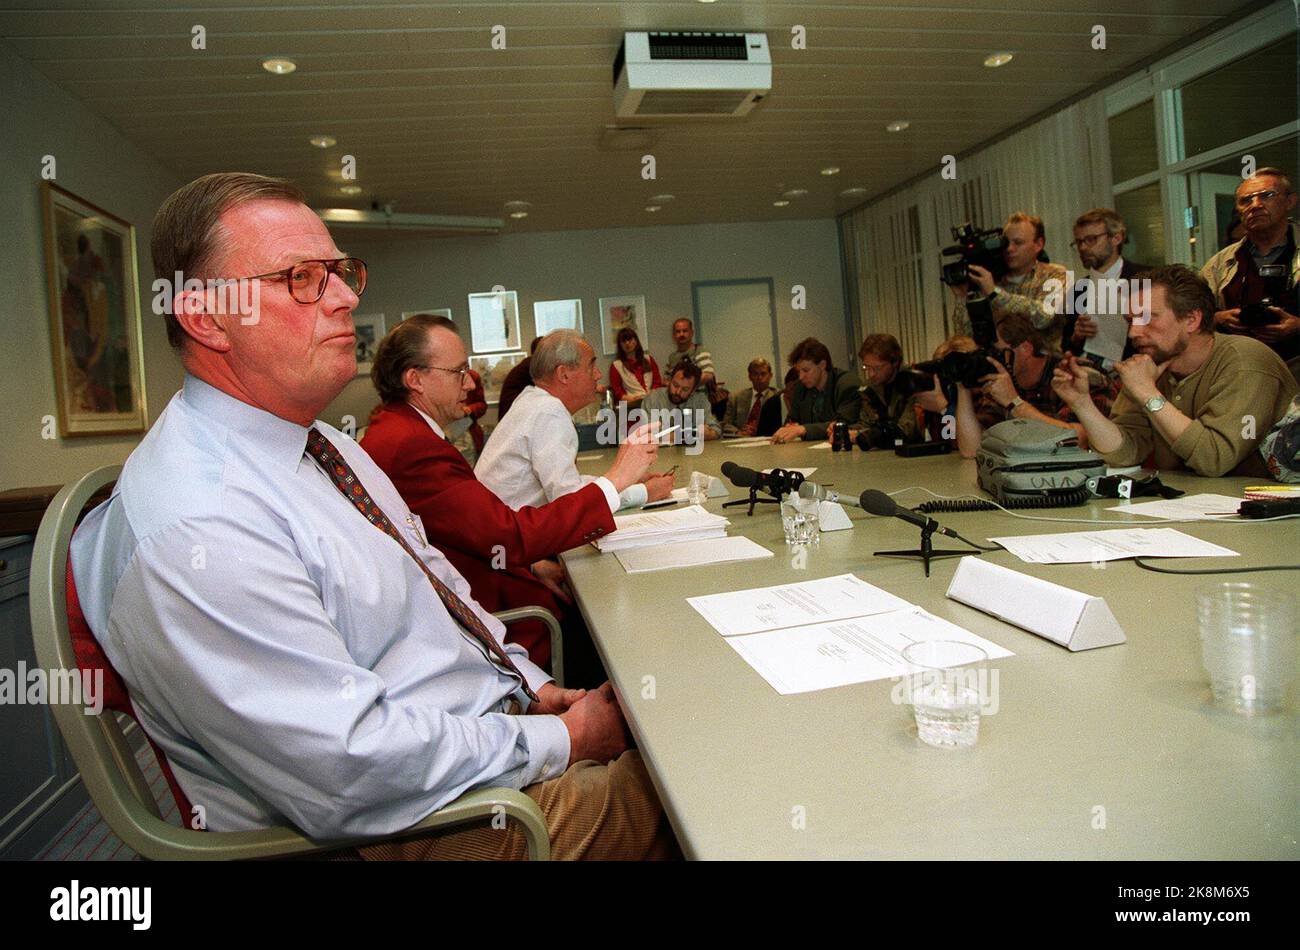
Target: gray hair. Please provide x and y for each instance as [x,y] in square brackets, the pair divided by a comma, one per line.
[558,348]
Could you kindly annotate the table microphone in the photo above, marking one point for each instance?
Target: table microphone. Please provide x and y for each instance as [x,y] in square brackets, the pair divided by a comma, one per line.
[743,477]
[878,503]
[814,492]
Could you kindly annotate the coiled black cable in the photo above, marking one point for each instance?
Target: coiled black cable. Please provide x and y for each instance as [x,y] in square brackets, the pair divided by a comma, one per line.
[1065,499]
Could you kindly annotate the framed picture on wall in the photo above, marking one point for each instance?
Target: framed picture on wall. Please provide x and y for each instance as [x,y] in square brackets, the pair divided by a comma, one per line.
[493,369]
[551,315]
[370,330]
[617,313]
[95,333]
[494,321]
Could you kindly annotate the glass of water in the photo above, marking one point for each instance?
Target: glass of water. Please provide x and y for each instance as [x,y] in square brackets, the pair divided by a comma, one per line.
[946,691]
[1248,645]
[800,519]
[697,491]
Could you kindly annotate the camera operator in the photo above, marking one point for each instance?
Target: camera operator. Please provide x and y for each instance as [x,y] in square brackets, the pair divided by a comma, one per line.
[1025,392]
[888,405]
[1097,296]
[1262,266]
[1022,290]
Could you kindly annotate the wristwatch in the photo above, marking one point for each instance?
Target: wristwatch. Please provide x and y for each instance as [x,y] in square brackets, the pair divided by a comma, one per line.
[1155,404]
[1011,406]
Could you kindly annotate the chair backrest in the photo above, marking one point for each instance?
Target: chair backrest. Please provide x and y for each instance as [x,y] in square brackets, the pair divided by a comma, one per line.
[64,642]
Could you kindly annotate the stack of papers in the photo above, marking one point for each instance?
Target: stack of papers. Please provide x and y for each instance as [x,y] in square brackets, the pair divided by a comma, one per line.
[663,527]
[830,632]
[691,554]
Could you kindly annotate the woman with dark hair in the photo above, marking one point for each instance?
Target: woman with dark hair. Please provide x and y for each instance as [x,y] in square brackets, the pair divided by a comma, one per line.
[634,373]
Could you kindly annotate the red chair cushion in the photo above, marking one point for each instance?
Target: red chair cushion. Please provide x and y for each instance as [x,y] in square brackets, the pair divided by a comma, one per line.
[91,656]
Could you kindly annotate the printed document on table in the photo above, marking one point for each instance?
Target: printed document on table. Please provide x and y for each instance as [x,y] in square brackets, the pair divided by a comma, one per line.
[1079,547]
[663,557]
[793,605]
[843,652]
[1203,507]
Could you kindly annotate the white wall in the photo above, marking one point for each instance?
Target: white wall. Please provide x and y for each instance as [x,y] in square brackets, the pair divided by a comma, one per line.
[410,273]
[93,161]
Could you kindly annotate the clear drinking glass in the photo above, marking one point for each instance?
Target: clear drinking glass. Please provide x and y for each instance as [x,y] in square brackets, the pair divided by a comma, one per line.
[697,492]
[1248,645]
[945,691]
[800,519]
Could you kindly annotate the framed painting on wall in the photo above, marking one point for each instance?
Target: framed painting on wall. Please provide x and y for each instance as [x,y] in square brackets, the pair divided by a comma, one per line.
[551,315]
[617,313]
[493,370]
[370,330]
[95,333]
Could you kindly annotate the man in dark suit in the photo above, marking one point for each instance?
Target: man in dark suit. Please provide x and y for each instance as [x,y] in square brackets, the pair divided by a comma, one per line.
[507,556]
[1099,235]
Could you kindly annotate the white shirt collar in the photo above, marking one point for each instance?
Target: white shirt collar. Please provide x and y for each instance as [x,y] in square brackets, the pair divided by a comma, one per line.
[429,419]
[1110,273]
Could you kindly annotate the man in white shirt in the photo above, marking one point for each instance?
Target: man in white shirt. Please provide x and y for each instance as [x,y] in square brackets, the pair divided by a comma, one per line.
[289,638]
[529,459]
[1097,324]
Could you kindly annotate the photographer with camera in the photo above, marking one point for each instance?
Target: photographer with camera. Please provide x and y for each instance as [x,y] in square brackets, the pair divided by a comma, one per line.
[888,398]
[1016,286]
[1255,280]
[1021,384]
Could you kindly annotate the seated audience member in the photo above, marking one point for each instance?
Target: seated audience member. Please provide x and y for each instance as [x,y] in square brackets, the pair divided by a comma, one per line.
[1024,290]
[1101,293]
[530,458]
[1265,264]
[1025,392]
[1281,447]
[1199,399]
[822,395]
[745,408]
[887,413]
[666,406]
[635,372]
[475,409]
[508,558]
[327,668]
[519,377]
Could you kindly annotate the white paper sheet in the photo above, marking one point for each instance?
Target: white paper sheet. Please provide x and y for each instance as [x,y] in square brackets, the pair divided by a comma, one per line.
[664,557]
[791,605]
[668,526]
[825,655]
[1081,547]
[1202,507]
[1112,333]
[751,442]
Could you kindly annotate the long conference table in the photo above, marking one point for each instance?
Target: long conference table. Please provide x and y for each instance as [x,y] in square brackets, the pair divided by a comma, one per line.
[1113,753]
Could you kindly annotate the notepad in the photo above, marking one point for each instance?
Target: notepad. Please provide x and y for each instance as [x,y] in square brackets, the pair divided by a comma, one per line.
[664,557]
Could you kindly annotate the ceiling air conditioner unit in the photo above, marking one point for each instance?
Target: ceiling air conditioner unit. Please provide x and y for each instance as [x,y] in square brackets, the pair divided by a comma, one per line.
[691,75]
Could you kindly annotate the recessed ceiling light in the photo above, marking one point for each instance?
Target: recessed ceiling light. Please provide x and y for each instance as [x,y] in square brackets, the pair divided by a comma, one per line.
[897,126]
[854,192]
[518,205]
[518,214]
[279,65]
[323,141]
[994,60]
[831,170]
[351,189]
[794,193]
[652,208]
[780,203]
[663,199]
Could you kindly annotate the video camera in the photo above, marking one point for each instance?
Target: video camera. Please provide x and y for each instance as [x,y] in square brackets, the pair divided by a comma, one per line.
[982,248]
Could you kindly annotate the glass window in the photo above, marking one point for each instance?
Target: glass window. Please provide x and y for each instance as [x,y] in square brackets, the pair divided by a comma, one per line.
[1254,93]
[1142,213]
[1133,142]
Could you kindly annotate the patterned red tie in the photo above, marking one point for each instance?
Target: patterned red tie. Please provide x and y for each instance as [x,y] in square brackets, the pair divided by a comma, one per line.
[755,411]
[345,480]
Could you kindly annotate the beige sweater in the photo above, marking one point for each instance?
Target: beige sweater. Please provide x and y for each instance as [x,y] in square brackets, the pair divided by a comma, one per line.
[1233,401]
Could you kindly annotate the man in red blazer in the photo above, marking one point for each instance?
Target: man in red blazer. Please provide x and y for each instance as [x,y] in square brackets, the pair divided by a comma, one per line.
[507,556]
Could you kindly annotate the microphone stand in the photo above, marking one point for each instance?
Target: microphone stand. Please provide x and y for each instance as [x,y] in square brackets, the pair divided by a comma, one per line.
[927,551]
[752,500]
[779,480]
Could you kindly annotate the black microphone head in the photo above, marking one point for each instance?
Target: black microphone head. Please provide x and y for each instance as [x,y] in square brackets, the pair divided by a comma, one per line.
[877,502]
[739,475]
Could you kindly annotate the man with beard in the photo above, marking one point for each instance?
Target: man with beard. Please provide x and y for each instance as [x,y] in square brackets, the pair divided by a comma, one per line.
[1198,399]
[1100,297]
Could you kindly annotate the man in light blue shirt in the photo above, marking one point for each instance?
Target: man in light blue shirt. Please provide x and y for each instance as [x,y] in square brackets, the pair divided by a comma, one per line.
[293,661]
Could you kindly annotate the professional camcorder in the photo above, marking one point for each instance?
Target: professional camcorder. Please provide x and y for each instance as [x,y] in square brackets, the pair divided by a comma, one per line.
[982,248]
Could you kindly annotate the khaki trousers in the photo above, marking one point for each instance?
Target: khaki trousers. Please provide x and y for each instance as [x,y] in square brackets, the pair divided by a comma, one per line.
[593,812]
